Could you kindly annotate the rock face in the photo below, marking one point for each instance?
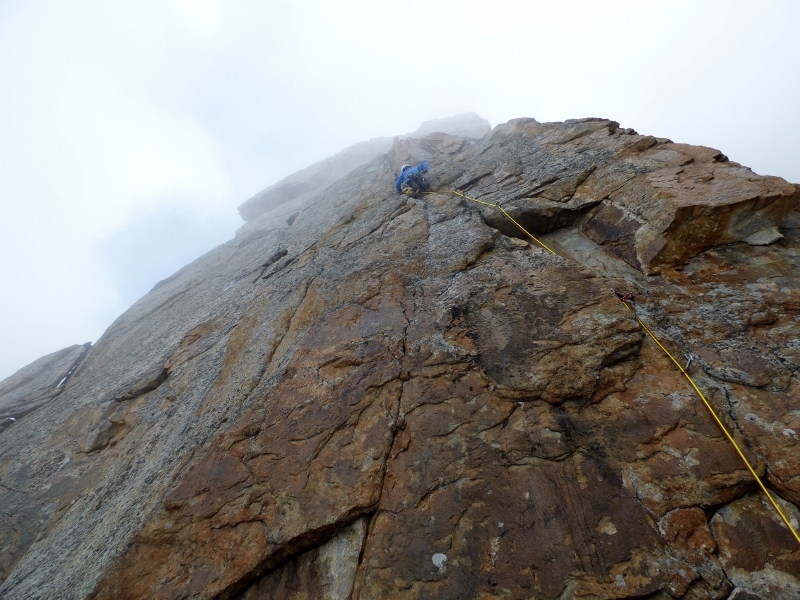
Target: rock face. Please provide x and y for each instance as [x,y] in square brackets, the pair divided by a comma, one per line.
[39,382]
[294,191]
[399,398]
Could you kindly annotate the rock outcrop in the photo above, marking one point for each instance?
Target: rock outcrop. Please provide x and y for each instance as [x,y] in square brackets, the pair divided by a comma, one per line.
[400,398]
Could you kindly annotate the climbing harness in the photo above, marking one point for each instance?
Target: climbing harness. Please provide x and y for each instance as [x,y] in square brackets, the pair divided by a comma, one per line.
[626,299]
[624,296]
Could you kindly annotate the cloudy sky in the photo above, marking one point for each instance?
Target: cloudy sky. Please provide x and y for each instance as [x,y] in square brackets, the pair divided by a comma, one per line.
[130,131]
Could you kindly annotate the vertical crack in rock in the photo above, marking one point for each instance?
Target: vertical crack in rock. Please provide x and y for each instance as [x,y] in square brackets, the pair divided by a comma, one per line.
[36,385]
[395,400]
[74,366]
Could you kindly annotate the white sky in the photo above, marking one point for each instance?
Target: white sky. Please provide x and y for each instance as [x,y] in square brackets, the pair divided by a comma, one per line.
[130,131]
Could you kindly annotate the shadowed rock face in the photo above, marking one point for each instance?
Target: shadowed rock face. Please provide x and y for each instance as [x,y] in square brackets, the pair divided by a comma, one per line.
[399,398]
[39,382]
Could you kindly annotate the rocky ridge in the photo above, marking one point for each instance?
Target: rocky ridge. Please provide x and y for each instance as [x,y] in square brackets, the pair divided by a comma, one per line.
[392,397]
[294,191]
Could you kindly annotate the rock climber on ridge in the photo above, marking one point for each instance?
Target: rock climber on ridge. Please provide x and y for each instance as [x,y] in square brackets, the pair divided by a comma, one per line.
[412,180]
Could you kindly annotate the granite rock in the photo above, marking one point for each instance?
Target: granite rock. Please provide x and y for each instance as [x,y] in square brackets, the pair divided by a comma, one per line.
[34,385]
[410,398]
[293,191]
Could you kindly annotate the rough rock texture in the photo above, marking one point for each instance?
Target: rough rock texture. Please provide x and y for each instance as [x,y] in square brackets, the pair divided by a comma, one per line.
[660,203]
[34,385]
[398,398]
[293,191]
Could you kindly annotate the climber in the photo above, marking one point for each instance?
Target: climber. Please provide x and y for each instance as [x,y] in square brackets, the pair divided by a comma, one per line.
[412,180]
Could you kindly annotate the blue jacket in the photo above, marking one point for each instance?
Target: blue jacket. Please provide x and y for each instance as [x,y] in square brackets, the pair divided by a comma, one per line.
[403,177]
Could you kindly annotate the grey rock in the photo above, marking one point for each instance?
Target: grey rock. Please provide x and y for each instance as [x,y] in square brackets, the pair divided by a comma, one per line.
[34,385]
[320,406]
[294,190]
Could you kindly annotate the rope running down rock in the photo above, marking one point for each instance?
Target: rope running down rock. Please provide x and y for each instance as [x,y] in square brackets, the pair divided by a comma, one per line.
[702,396]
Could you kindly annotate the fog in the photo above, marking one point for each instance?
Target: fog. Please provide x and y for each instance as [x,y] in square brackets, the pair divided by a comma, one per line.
[131,131]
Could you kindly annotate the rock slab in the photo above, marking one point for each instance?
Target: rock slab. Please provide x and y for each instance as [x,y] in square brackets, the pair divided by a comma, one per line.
[394,397]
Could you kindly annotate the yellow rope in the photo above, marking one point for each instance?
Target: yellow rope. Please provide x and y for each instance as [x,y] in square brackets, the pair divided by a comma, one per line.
[720,423]
[672,358]
[502,210]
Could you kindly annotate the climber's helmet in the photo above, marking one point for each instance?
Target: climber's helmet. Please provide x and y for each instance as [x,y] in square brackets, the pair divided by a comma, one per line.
[403,170]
